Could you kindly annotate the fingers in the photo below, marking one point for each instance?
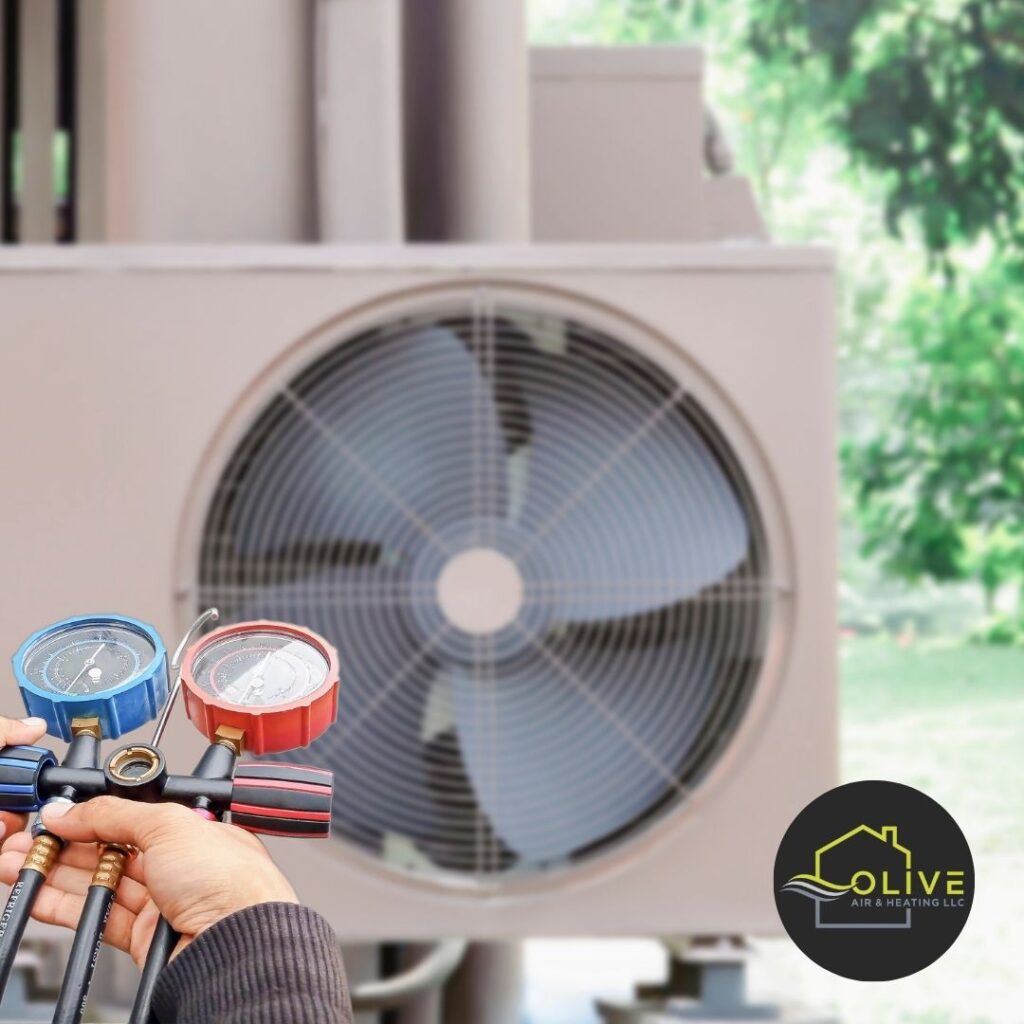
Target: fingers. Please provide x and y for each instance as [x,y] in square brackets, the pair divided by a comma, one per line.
[57,906]
[110,819]
[11,823]
[20,841]
[78,855]
[142,932]
[10,865]
[76,881]
[61,899]
[73,874]
[23,730]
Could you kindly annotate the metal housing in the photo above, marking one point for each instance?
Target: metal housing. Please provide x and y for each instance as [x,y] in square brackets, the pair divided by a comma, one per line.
[132,373]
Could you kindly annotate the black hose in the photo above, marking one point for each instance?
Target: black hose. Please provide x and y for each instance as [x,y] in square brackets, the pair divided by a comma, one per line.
[84,951]
[82,752]
[165,938]
[15,917]
[216,764]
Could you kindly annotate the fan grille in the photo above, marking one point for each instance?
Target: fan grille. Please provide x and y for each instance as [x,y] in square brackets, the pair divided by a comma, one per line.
[607,599]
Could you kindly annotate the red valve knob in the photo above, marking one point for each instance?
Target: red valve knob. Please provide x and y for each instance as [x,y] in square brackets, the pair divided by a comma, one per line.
[282,800]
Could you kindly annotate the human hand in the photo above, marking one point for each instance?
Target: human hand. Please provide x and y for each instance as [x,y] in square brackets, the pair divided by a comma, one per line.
[194,872]
[13,731]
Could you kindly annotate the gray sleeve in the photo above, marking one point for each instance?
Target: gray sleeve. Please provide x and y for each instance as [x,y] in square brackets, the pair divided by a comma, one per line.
[275,963]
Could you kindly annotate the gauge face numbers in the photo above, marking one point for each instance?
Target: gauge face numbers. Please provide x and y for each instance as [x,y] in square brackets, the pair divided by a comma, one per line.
[88,658]
[275,684]
[260,669]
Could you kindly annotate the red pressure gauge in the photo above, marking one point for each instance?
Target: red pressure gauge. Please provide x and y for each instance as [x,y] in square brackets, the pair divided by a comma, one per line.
[275,681]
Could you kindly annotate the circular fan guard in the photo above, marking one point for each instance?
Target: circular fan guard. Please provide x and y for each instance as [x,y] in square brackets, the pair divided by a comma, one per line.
[543,567]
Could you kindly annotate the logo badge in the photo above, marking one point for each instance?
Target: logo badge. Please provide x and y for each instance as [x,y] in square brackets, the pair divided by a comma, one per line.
[874,880]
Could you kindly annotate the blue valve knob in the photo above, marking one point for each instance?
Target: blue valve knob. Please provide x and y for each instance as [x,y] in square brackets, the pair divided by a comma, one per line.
[20,771]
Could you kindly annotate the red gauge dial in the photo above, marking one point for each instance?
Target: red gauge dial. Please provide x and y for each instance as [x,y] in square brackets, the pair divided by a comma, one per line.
[275,681]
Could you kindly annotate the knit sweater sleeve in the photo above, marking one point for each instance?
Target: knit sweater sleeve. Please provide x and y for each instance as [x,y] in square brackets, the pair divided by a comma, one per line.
[275,963]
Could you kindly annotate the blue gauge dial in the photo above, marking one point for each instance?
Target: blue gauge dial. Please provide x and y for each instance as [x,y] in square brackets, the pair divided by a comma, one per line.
[108,666]
[89,658]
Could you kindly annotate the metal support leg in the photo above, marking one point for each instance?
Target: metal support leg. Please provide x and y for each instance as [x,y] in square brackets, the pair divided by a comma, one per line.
[706,984]
[488,986]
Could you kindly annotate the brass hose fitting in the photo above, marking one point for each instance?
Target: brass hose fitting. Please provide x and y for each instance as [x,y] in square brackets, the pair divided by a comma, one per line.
[87,726]
[43,853]
[230,737]
[110,869]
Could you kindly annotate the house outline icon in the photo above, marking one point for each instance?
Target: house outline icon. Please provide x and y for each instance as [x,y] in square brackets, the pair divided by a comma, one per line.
[887,835]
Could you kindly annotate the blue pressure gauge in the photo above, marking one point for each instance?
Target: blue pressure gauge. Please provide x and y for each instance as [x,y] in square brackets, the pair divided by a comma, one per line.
[108,666]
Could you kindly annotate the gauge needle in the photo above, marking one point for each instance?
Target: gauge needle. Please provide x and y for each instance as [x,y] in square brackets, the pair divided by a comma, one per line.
[257,679]
[89,662]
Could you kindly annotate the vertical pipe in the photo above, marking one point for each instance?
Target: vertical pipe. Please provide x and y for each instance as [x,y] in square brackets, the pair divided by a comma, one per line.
[424,1009]
[38,88]
[488,986]
[489,97]
[67,78]
[359,120]
[208,112]
[91,153]
[467,151]
[362,964]
[8,73]
[424,121]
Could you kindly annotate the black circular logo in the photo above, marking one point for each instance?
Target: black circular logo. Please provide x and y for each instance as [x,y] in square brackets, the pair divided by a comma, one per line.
[874,880]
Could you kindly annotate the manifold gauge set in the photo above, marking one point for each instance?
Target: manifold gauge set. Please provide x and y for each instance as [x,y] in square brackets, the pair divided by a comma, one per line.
[251,687]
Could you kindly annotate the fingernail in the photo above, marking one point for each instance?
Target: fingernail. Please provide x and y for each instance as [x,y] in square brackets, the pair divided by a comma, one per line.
[36,722]
[3,830]
[56,810]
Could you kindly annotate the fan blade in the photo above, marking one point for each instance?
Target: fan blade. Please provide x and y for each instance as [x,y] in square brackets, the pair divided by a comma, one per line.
[384,441]
[627,506]
[460,827]
[375,747]
[564,752]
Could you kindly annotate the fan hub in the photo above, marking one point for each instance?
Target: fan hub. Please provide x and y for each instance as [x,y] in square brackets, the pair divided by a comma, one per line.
[480,591]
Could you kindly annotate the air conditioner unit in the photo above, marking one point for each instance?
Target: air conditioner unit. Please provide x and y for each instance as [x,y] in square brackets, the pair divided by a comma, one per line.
[568,513]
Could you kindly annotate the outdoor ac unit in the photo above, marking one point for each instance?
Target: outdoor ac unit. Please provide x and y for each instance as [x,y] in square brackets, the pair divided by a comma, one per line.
[568,513]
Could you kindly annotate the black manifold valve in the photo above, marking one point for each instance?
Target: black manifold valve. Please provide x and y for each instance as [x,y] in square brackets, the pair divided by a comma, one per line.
[136,771]
[275,799]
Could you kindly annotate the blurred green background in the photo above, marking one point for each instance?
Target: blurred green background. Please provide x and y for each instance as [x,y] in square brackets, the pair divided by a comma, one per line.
[892,130]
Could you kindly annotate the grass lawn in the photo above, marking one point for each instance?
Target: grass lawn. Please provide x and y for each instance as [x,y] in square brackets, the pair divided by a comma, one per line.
[949,720]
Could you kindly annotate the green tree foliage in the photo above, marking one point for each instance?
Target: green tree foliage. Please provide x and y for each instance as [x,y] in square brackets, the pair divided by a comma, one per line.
[929,98]
[942,488]
[613,22]
[928,93]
